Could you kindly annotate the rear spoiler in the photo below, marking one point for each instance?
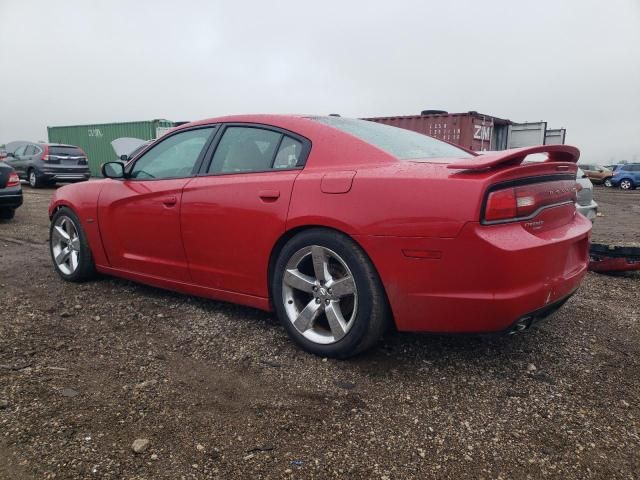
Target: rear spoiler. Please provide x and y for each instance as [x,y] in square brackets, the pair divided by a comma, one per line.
[515,156]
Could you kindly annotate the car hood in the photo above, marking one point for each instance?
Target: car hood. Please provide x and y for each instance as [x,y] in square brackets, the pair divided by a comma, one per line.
[126,145]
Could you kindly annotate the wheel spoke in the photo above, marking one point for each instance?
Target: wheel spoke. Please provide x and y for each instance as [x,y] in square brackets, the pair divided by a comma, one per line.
[342,287]
[320,263]
[60,233]
[307,316]
[73,260]
[298,280]
[336,321]
[63,255]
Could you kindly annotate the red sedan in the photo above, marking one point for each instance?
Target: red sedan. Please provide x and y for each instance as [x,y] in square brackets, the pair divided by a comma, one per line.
[343,227]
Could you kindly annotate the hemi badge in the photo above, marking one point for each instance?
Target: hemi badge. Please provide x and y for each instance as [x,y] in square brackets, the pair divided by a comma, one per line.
[430,254]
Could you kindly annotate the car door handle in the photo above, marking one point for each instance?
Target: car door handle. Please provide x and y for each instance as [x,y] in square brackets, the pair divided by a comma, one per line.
[169,201]
[269,195]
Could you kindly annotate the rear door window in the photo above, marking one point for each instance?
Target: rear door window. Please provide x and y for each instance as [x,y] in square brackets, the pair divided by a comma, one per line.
[244,150]
[289,154]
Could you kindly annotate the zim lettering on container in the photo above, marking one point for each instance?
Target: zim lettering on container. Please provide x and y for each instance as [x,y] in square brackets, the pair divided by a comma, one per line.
[482,132]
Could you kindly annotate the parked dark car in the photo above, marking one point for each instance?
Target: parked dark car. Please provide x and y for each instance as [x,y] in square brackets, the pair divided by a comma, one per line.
[627,176]
[47,163]
[10,192]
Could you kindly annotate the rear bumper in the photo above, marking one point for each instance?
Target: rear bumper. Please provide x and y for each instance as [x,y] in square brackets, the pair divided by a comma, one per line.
[64,174]
[482,281]
[11,198]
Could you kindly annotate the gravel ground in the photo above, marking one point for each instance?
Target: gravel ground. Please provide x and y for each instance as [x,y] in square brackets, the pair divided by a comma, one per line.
[619,220]
[218,391]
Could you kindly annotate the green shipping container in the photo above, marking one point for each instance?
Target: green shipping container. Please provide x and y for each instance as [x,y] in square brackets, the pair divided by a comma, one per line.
[96,139]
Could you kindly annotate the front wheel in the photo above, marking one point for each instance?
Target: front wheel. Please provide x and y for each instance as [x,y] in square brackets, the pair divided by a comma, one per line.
[69,248]
[626,184]
[607,182]
[328,295]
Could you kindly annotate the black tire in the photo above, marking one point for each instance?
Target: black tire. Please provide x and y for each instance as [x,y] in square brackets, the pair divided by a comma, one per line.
[607,182]
[627,184]
[33,179]
[7,213]
[372,317]
[86,269]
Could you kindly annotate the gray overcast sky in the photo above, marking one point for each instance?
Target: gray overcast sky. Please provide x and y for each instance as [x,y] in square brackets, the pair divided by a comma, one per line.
[573,63]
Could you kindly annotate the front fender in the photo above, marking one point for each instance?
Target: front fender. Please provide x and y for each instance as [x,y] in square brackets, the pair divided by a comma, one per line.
[82,198]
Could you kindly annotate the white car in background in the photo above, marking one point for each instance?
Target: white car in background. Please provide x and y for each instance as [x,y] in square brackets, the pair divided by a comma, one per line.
[586,205]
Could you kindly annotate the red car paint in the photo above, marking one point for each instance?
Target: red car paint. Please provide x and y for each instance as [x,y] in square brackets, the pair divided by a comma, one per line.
[443,270]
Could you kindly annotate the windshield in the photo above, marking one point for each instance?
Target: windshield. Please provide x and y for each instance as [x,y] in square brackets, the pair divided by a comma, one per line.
[402,144]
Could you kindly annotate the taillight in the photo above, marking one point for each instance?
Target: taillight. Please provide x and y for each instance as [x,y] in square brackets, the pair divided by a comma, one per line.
[45,154]
[14,180]
[501,205]
[524,201]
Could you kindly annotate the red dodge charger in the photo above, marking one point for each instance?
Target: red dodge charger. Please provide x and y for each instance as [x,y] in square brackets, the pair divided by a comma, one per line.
[344,227]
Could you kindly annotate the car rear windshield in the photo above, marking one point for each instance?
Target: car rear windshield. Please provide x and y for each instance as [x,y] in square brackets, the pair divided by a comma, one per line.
[402,144]
[66,151]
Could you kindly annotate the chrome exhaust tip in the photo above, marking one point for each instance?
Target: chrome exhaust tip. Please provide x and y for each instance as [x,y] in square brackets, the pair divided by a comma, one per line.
[520,325]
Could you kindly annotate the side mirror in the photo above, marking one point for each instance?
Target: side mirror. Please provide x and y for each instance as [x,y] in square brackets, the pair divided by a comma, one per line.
[10,154]
[113,170]
[124,158]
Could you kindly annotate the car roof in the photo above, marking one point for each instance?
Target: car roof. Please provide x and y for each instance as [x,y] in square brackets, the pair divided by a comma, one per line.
[277,120]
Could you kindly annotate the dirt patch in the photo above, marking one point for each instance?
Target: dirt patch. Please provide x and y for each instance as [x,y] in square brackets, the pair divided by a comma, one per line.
[220,392]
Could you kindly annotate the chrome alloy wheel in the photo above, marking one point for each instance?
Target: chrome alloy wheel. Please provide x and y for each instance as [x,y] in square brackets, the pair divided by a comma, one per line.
[65,245]
[33,180]
[319,294]
[625,184]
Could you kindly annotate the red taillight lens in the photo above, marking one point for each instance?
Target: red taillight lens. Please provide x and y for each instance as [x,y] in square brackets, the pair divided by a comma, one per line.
[501,205]
[45,154]
[525,200]
[14,181]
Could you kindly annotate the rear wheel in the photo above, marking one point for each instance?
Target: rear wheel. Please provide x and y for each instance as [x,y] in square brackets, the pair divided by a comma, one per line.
[7,213]
[32,177]
[69,248]
[626,184]
[328,295]
[607,182]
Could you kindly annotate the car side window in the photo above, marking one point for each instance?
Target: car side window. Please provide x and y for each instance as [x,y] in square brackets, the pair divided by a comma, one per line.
[174,157]
[20,150]
[30,150]
[289,153]
[245,149]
